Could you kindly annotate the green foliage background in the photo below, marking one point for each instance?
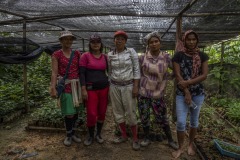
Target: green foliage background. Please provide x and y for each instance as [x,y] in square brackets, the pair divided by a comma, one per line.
[11,84]
[223,82]
[39,73]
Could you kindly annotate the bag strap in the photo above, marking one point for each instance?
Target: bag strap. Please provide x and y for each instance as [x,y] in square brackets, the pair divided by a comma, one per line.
[105,57]
[68,66]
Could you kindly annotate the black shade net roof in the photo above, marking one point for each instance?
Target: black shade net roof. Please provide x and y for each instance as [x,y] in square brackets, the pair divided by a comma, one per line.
[213,20]
[15,50]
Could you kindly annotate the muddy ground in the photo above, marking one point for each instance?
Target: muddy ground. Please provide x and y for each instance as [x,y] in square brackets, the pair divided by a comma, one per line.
[18,143]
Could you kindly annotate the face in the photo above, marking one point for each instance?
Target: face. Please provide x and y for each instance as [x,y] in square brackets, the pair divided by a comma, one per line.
[191,41]
[154,44]
[66,41]
[95,46]
[120,42]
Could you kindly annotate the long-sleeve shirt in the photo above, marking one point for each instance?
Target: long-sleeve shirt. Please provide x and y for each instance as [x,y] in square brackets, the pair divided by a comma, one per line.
[123,66]
[93,71]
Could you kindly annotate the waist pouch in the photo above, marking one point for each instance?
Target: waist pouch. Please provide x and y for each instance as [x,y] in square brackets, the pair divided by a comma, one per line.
[97,85]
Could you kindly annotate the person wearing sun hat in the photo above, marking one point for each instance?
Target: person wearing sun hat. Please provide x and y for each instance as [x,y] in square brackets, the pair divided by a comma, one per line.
[66,34]
[95,86]
[124,75]
[70,100]
[154,66]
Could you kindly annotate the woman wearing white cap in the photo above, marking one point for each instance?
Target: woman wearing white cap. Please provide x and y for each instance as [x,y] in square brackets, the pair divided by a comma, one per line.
[70,99]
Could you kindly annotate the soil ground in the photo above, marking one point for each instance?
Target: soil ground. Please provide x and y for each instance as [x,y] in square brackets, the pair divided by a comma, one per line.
[18,143]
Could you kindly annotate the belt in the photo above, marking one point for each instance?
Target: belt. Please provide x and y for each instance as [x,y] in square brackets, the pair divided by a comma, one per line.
[122,83]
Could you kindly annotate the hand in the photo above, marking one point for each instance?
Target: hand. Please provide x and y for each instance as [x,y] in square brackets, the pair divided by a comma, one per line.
[188,98]
[53,92]
[84,94]
[135,91]
[183,84]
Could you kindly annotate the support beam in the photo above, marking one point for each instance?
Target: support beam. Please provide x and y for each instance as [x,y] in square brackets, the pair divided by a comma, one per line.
[187,7]
[178,37]
[54,25]
[25,71]
[83,43]
[112,31]
[12,13]
[220,86]
[179,28]
[48,18]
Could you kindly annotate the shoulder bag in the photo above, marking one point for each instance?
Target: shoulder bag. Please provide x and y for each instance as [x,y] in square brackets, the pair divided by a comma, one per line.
[61,82]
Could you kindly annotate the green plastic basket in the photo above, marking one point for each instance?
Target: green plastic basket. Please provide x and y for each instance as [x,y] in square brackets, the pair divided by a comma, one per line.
[218,144]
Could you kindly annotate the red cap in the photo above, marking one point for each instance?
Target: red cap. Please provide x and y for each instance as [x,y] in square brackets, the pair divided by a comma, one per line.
[122,33]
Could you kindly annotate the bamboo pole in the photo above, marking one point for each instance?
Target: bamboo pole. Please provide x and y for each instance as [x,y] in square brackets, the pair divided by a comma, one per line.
[29,127]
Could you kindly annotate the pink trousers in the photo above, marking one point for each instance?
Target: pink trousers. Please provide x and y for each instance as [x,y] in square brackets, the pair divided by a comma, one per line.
[96,106]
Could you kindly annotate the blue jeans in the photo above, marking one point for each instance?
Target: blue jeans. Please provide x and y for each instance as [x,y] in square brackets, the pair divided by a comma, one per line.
[182,110]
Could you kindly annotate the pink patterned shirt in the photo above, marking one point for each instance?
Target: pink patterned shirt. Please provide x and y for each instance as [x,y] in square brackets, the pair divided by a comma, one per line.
[73,72]
[154,74]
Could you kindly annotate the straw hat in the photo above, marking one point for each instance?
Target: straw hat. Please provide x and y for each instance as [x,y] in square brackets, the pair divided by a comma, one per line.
[65,34]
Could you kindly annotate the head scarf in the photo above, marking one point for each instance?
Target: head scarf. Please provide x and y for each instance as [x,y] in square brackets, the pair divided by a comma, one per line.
[149,36]
[181,46]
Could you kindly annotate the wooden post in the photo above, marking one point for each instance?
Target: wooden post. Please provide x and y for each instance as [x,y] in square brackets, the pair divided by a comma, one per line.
[178,37]
[27,107]
[221,63]
[222,53]
[83,45]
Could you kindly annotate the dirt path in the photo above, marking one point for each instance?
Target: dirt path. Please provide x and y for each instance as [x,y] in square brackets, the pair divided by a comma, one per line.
[15,142]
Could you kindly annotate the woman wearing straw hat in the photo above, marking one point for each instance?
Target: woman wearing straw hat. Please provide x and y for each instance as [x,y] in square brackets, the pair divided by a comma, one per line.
[70,99]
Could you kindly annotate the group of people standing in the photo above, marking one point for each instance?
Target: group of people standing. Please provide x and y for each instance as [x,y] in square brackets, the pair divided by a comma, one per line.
[132,82]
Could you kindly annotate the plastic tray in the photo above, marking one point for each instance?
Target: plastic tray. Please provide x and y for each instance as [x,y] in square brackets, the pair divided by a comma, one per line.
[224,152]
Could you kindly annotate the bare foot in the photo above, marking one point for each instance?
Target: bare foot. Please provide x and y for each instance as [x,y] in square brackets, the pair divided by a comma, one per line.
[177,153]
[191,151]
